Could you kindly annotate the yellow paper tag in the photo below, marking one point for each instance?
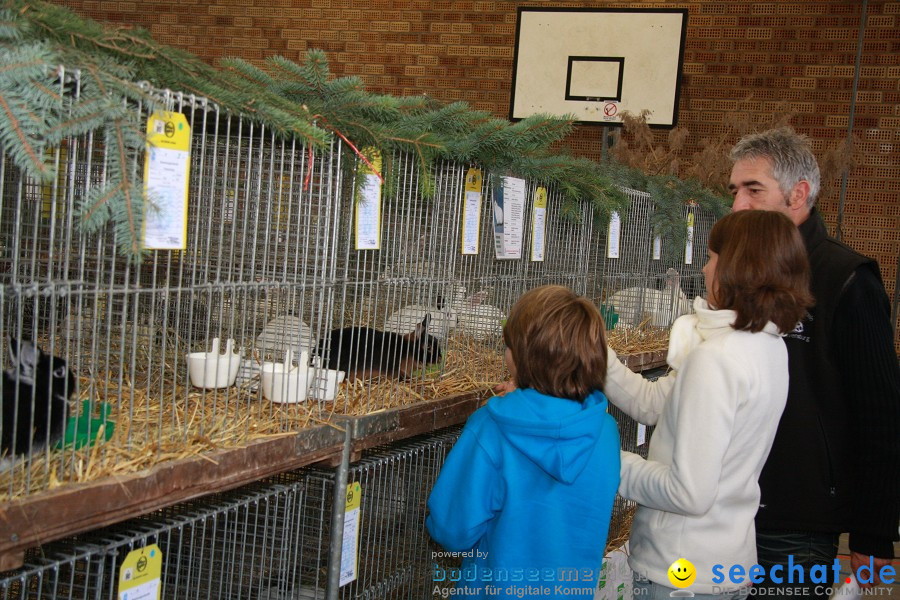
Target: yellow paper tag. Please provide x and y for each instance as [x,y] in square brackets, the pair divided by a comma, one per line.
[47,188]
[471,212]
[140,577]
[354,496]
[473,180]
[350,544]
[540,198]
[373,155]
[169,130]
[368,203]
[166,178]
[281,204]
[538,224]
[689,242]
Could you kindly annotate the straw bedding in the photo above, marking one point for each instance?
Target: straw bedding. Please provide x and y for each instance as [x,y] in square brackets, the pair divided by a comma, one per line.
[157,423]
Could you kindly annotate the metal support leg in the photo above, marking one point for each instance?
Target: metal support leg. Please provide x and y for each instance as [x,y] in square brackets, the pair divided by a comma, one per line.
[337,519]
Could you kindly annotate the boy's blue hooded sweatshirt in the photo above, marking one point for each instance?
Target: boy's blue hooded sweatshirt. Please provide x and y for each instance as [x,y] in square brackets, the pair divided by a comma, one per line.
[527,493]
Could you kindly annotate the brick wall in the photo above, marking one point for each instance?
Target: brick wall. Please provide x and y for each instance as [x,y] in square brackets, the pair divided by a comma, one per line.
[801,53]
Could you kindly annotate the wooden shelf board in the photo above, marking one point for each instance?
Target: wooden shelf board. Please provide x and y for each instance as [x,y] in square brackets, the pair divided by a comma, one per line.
[76,508]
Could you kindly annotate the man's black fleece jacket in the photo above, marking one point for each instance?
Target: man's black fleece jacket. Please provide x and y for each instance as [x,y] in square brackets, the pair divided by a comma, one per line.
[835,462]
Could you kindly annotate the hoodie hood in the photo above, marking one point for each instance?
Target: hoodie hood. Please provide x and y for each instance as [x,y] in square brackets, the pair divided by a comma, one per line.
[557,434]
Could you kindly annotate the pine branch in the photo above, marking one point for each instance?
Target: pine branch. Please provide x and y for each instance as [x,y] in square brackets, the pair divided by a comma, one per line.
[95,204]
[122,153]
[35,162]
[300,100]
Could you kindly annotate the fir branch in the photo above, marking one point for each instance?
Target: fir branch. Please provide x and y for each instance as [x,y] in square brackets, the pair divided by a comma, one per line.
[315,69]
[36,163]
[46,90]
[94,209]
[300,100]
[130,204]
[248,72]
[21,65]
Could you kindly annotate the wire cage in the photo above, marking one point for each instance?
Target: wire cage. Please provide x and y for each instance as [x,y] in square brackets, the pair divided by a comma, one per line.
[420,271]
[272,271]
[641,277]
[226,546]
[261,222]
[268,541]
[394,549]
[271,540]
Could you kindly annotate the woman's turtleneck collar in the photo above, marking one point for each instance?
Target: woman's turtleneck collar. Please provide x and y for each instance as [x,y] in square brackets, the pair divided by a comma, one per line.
[709,320]
[689,331]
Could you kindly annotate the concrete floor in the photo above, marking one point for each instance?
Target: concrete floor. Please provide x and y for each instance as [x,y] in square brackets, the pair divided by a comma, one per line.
[882,591]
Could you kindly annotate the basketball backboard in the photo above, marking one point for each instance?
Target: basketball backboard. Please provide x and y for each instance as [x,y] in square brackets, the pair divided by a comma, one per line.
[598,63]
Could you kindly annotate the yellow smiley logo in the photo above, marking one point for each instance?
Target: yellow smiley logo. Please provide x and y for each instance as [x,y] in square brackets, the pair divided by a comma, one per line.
[682,573]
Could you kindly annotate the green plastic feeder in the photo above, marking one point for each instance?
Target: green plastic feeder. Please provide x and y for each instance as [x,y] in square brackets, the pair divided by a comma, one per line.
[610,316]
[428,370]
[82,430]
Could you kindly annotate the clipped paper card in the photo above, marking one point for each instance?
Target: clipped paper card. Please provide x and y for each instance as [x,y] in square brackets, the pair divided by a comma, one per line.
[471,218]
[538,224]
[509,216]
[614,233]
[166,177]
[350,543]
[368,204]
[689,243]
[140,577]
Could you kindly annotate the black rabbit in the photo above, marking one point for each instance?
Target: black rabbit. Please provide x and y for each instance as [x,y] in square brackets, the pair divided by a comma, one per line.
[35,399]
[363,352]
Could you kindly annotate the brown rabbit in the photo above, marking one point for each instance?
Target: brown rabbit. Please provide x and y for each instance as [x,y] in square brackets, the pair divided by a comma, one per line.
[363,352]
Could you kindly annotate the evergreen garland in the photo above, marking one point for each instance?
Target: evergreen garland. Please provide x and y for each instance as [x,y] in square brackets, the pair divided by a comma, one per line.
[302,100]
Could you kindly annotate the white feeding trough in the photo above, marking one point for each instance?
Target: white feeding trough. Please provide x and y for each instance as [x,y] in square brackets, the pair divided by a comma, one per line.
[283,333]
[286,383]
[324,384]
[212,370]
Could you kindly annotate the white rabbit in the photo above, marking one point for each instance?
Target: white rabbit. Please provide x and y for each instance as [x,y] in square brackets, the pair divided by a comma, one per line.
[634,304]
[480,320]
[443,317]
[498,214]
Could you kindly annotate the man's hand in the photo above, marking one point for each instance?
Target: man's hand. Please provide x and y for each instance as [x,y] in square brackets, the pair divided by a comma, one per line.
[501,389]
[858,560]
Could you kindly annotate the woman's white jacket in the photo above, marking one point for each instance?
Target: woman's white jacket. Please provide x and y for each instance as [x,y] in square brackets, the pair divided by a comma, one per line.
[715,418]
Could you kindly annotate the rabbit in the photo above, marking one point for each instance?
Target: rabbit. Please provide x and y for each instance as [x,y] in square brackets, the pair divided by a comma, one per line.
[29,427]
[498,214]
[479,320]
[363,352]
[443,317]
[663,306]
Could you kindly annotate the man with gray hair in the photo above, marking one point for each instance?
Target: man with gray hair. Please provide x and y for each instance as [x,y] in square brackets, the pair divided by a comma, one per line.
[835,463]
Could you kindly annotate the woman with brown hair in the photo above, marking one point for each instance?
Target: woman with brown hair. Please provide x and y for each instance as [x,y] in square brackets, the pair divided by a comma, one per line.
[715,414]
[527,491]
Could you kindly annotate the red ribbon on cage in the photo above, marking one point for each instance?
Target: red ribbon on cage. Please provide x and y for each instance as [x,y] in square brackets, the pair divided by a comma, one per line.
[308,175]
[360,154]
